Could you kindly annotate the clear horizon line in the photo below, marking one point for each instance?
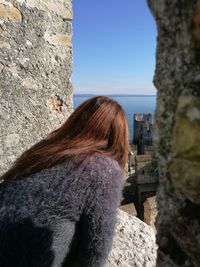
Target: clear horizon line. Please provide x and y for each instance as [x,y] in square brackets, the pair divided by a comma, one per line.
[114,94]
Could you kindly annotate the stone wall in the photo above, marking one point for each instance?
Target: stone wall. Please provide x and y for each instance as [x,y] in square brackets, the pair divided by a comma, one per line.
[177,137]
[35,70]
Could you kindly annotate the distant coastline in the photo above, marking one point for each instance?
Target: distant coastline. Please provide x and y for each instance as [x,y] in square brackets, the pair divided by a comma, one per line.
[115,95]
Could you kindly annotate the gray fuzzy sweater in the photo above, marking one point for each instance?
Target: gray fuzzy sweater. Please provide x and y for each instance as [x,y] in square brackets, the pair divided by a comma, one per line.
[61,216]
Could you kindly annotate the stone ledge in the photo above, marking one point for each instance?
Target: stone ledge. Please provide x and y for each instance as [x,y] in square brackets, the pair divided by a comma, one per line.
[134,243]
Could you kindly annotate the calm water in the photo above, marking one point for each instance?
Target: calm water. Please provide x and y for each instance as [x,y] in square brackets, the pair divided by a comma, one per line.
[130,104]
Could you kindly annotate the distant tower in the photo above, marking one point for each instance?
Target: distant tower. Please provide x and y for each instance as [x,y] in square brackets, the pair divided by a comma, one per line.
[142,135]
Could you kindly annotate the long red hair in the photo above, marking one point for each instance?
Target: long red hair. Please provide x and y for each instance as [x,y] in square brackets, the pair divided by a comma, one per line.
[97,125]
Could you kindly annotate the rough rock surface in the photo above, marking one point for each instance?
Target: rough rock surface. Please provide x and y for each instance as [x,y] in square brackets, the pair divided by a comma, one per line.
[177,137]
[133,244]
[35,71]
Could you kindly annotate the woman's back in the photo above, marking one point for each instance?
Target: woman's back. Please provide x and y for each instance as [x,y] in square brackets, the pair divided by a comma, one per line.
[60,215]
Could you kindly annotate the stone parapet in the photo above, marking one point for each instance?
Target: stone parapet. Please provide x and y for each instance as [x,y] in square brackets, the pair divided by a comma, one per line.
[133,244]
[35,67]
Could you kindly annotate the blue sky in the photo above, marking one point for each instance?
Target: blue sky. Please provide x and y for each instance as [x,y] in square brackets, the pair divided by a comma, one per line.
[114,44]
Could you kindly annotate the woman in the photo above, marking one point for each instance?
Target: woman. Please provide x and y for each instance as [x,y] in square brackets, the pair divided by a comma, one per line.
[58,202]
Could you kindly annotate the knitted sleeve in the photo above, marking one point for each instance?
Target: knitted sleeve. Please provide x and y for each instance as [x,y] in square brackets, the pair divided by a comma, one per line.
[98,220]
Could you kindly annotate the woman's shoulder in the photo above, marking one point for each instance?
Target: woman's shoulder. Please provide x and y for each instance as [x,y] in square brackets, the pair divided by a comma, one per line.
[103,162]
[103,169]
[105,179]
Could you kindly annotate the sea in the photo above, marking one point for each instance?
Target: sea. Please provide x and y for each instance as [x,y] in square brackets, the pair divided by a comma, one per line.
[130,103]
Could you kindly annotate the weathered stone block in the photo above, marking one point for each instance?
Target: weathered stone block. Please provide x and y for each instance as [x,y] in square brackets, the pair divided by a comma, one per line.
[185,166]
[150,211]
[9,12]
[129,208]
[58,39]
[55,103]
[4,44]
[29,82]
